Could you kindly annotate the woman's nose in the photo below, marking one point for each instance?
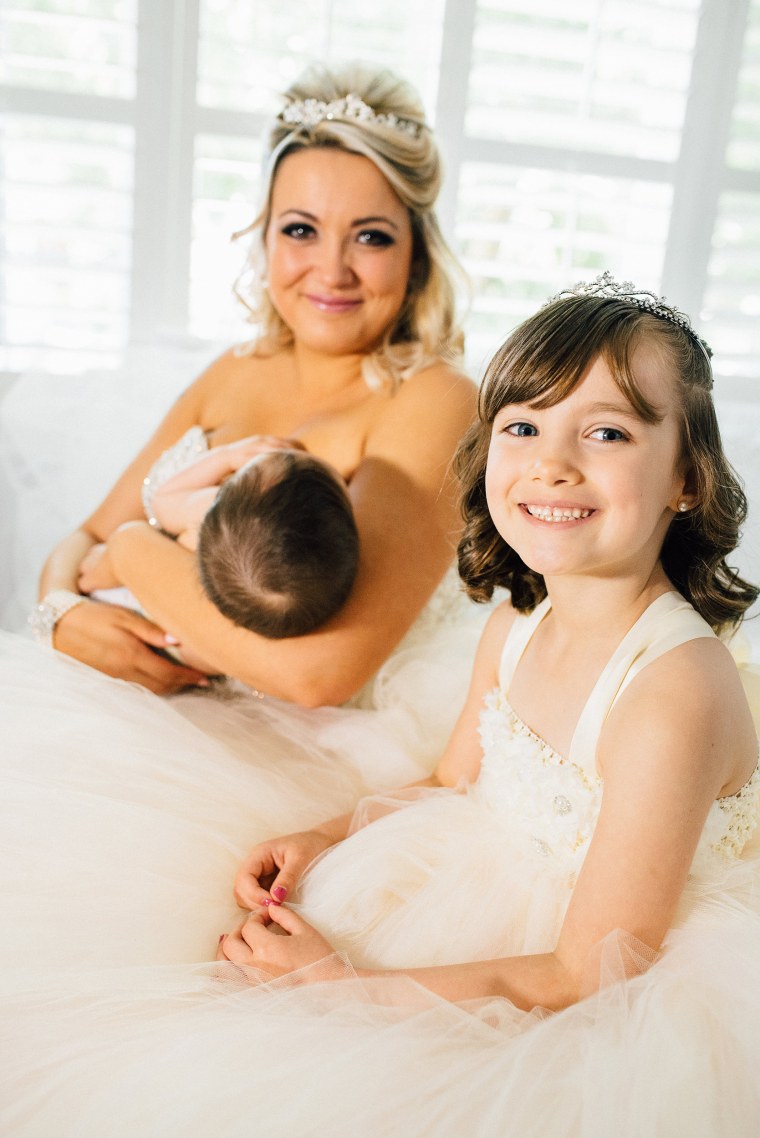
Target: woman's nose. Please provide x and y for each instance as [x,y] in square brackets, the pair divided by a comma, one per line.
[334,264]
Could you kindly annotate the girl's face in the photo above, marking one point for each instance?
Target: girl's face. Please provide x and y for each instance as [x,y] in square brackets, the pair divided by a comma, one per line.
[586,487]
[339,250]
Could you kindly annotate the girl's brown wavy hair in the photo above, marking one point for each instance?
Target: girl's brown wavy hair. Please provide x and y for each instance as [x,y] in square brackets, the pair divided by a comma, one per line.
[541,363]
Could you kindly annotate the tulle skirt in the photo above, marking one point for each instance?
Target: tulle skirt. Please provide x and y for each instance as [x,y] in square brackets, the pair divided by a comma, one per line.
[179,1051]
[124,819]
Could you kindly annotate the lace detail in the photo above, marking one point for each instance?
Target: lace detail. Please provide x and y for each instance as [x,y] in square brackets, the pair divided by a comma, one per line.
[739,814]
[192,445]
[545,795]
[557,803]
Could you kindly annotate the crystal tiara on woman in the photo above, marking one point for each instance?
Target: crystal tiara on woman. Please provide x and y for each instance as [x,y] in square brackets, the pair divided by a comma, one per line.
[311,112]
[607,288]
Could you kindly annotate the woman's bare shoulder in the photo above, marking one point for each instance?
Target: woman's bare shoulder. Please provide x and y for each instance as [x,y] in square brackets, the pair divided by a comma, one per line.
[439,397]
[440,379]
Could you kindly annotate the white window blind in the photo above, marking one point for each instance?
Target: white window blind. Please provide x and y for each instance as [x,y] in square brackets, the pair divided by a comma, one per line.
[621,134]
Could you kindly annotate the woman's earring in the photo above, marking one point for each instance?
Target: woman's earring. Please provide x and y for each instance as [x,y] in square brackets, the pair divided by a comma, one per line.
[683,506]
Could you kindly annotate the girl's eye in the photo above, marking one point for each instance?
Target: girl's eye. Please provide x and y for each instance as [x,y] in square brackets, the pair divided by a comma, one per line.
[522,430]
[375,237]
[609,435]
[298,230]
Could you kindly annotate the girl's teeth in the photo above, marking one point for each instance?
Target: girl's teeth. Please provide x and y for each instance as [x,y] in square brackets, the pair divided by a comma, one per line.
[556,513]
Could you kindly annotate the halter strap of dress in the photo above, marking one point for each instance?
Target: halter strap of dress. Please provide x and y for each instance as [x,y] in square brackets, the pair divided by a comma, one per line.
[668,622]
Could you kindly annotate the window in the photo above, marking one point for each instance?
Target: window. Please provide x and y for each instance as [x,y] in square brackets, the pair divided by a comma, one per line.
[621,134]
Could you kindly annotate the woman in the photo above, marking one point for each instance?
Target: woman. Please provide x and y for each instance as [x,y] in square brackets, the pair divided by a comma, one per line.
[357,360]
[358,324]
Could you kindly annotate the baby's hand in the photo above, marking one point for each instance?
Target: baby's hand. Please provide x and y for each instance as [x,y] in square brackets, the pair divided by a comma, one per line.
[260,943]
[95,570]
[241,452]
[272,869]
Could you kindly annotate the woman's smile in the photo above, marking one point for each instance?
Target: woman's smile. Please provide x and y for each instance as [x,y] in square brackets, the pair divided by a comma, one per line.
[334,304]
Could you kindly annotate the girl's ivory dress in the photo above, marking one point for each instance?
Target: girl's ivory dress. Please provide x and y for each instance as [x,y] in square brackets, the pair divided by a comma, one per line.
[124,825]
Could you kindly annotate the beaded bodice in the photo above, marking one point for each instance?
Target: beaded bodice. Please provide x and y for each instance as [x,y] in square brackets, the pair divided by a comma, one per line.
[554,800]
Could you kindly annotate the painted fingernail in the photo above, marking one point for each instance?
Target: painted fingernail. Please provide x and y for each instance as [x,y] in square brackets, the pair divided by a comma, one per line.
[280,893]
[267,901]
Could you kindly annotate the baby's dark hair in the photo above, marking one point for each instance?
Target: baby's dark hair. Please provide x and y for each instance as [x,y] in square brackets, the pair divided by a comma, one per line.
[278,551]
[541,363]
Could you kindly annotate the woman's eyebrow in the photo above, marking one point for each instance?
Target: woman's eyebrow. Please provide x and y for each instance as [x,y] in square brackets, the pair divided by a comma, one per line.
[307,216]
[373,220]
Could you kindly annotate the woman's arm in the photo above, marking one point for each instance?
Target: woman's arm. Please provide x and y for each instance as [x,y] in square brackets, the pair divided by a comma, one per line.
[114,640]
[406,511]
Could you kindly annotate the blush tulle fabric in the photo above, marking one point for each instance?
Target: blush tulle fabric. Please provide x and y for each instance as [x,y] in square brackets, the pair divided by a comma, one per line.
[124,819]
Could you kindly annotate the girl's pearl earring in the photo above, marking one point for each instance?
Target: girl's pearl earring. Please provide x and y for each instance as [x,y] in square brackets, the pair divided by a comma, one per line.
[683,506]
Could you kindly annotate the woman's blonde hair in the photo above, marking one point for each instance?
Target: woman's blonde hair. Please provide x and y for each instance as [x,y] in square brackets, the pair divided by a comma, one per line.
[425,330]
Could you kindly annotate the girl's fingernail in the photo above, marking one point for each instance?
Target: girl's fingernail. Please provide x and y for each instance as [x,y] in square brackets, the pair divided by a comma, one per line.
[280,893]
[170,639]
[267,901]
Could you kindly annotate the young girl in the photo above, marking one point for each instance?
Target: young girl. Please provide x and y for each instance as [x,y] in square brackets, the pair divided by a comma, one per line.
[585,826]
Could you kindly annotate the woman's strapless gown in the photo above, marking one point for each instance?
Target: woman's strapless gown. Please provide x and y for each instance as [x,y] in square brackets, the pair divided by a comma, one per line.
[117,1032]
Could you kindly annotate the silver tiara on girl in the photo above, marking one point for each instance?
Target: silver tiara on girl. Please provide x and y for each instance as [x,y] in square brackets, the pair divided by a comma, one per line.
[607,288]
[352,108]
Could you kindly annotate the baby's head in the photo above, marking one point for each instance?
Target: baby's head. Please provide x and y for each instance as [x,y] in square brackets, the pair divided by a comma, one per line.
[278,550]
[541,363]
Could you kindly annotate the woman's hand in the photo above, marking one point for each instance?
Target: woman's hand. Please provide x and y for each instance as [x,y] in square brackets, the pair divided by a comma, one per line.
[276,940]
[272,869]
[121,643]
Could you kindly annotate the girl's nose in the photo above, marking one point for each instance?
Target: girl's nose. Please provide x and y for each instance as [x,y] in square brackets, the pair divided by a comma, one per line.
[552,467]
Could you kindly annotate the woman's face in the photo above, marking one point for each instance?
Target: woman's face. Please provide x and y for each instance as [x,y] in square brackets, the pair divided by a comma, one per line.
[339,250]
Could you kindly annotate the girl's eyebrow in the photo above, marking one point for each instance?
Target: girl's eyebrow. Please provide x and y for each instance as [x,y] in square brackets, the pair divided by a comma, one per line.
[621,408]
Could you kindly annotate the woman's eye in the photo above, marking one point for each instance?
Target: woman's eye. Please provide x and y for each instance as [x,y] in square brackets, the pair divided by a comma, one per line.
[609,435]
[298,230]
[522,430]
[374,237]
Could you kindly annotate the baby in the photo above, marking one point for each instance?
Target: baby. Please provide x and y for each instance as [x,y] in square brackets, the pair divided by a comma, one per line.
[273,530]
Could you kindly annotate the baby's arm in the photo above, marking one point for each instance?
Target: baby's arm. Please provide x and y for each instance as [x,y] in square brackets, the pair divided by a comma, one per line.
[96,570]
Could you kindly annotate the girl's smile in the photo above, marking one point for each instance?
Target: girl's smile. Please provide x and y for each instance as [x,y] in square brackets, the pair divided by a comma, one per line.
[557,514]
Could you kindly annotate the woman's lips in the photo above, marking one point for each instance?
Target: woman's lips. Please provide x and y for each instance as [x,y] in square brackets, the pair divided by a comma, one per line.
[333,303]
